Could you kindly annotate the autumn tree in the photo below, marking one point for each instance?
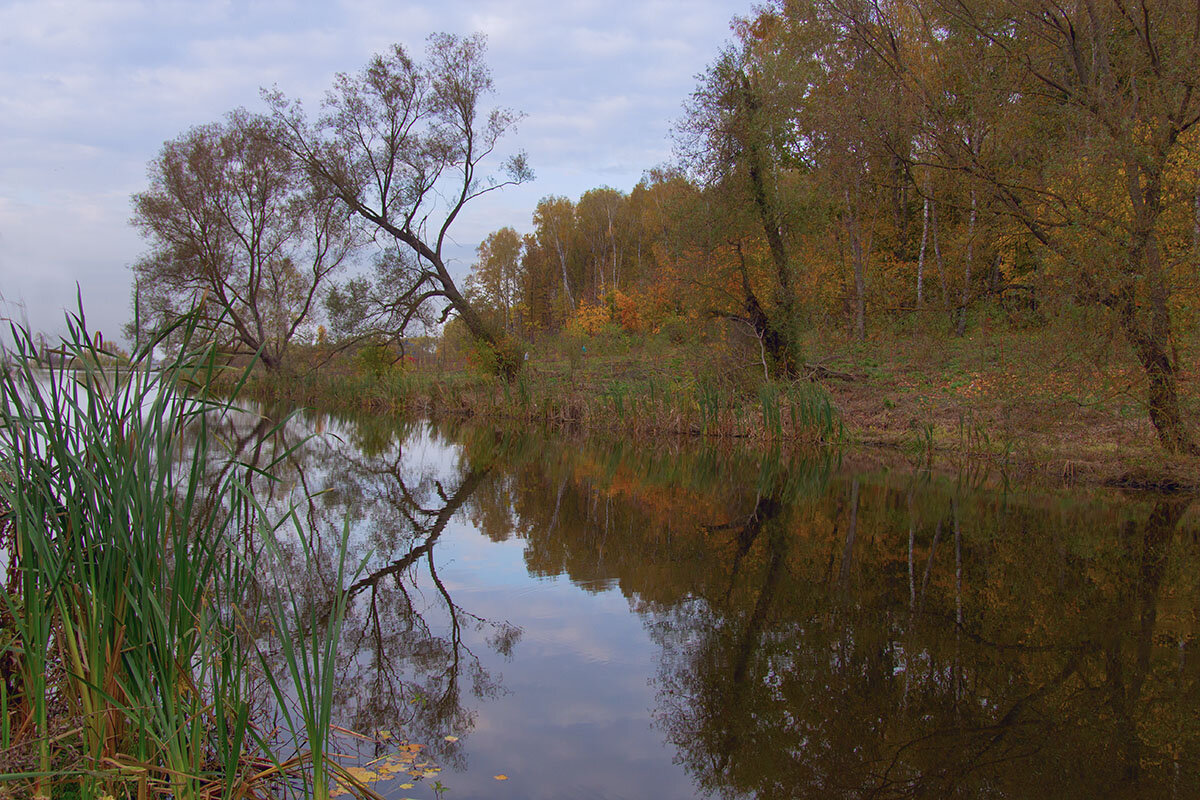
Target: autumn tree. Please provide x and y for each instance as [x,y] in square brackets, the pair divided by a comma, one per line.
[237,230]
[553,222]
[1092,111]
[404,145]
[602,225]
[496,275]
[736,138]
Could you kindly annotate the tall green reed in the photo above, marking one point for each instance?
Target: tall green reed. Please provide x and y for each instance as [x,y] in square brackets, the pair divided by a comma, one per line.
[811,408]
[708,402]
[768,397]
[307,641]
[124,569]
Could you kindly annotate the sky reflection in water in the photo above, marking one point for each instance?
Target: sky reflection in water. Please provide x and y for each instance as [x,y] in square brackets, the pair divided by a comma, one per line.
[602,621]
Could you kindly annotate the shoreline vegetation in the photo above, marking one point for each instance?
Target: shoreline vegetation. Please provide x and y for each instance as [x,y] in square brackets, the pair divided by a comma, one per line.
[1037,406]
[949,236]
[150,641]
[106,483]
[947,228]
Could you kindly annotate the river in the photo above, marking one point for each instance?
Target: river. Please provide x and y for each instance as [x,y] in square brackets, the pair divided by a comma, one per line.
[559,618]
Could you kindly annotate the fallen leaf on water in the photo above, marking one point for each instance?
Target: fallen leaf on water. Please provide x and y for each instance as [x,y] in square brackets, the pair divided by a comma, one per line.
[363,775]
[385,734]
[451,738]
[406,786]
[501,777]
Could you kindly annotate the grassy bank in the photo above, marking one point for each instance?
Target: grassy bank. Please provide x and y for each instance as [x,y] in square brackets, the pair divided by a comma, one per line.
[1036,400]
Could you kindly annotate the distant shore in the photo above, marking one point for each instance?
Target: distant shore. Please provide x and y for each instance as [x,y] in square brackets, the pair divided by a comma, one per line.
[983,401]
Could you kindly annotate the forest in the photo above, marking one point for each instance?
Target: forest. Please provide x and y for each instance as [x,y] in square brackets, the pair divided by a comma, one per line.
[926,213]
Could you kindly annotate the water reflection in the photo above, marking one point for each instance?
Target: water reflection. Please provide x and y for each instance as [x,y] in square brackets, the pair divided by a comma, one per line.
[812,632]
[403,663]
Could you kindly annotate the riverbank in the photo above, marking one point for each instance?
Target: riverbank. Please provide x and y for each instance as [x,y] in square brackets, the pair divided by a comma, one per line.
[1032,404]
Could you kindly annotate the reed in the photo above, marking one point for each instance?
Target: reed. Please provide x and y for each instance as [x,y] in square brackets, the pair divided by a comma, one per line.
[637,401]
[308,644]
[124,574]
[768,397]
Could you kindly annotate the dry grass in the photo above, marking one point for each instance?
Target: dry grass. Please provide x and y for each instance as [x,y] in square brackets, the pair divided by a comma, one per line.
[1047,398]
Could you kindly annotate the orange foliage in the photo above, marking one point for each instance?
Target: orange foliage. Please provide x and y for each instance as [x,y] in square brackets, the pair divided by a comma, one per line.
[589,318]
[631,311]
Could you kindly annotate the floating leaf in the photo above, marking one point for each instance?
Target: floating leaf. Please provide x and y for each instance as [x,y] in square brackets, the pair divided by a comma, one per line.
[363,775]
[385,735]
[406,785]
[451,738]
[501,777]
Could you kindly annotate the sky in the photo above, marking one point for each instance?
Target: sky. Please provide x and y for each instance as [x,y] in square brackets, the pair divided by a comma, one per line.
[90,90]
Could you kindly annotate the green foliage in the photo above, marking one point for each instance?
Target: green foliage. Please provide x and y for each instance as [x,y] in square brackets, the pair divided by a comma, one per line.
[308,641]
[502,359]
[121,551]
[377,361]
[677,328]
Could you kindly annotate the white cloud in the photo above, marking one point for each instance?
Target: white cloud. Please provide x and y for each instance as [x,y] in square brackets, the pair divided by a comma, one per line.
[91,90]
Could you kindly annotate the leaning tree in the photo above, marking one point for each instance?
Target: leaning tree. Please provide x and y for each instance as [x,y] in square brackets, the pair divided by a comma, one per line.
[403,144]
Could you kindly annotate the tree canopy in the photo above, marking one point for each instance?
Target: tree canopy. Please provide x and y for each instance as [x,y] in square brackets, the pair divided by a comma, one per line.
[404,145]
[237,229]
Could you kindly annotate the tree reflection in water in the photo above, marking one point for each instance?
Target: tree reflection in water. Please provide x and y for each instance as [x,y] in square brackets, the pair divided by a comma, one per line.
[823,636]
[818,634]
[403,665]
[830,674]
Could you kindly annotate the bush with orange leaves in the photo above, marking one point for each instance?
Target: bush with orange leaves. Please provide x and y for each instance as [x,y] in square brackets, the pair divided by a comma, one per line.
[631,311]
[589,318]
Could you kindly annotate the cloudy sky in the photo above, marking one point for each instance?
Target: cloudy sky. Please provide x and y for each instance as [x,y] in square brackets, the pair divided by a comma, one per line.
[90,89]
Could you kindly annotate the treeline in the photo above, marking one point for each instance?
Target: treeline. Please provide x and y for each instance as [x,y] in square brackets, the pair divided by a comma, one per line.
[842,163]
[607,257]
[845,162]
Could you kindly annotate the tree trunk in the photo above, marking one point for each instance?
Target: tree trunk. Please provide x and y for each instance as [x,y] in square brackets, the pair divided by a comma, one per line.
[856,262]
[783,326]
[1162,392]
[507,363]
[966,287]
[772,341]
[562,260]
[1151,338]
[921,256]
[937,260]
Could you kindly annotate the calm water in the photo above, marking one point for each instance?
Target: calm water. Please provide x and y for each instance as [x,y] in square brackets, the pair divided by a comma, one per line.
[612,621]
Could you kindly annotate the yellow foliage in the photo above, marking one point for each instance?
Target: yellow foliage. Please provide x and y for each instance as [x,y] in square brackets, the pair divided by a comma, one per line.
[589,318]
